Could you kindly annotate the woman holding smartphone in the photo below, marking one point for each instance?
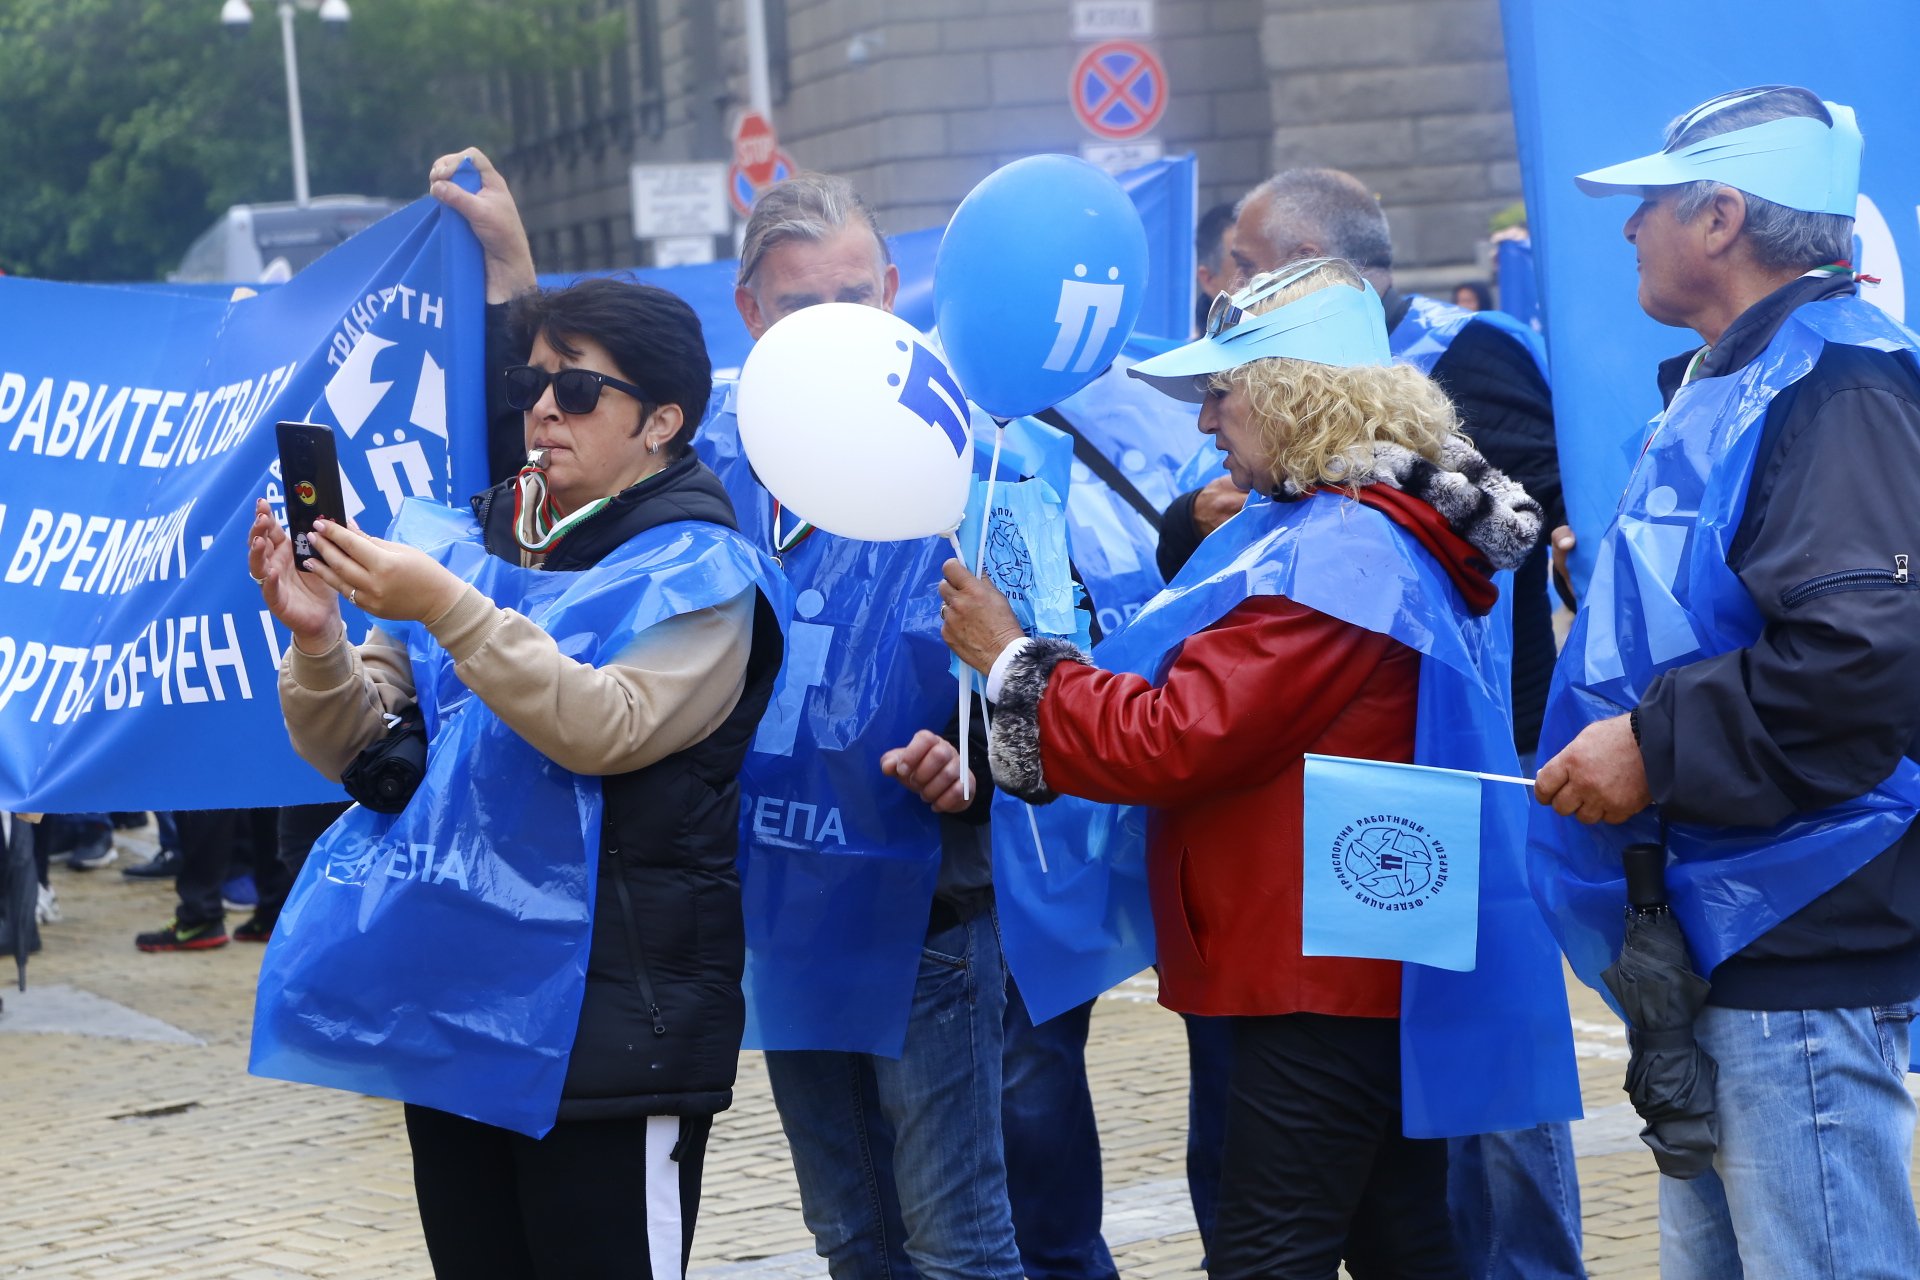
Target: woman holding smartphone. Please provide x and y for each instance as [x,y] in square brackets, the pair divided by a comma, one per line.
[616,379]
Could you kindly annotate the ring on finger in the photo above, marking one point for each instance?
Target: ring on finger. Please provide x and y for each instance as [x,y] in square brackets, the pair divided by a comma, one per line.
[353,596]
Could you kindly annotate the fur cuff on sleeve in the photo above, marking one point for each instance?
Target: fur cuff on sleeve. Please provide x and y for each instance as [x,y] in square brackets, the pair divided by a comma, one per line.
[1014,750]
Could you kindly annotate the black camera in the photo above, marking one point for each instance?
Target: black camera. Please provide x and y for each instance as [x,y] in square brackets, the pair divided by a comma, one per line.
[385,775]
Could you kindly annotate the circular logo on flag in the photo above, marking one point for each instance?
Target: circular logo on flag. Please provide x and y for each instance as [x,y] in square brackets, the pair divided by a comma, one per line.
[304,491]
[1118,89]
[1389,862]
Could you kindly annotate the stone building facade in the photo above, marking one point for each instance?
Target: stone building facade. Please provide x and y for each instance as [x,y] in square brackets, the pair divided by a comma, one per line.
[917,100]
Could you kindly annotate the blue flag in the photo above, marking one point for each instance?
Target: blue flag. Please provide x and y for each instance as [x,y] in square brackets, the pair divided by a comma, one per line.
[1392,862]
[137,662]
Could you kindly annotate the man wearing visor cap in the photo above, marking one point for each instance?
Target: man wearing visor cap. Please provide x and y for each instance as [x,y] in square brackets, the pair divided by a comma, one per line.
[1740,687]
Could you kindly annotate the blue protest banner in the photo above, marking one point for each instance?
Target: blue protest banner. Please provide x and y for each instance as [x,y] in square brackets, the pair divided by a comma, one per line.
[1595,84]
[137,664]
[1392,862]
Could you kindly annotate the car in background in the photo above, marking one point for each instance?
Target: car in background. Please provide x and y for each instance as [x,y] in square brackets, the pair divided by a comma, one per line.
[251,243]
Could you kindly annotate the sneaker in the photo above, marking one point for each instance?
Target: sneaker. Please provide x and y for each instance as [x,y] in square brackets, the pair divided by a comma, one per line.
[253,930]
[239,892]
[163,865]
[199,937]
[47,909]
[93,855]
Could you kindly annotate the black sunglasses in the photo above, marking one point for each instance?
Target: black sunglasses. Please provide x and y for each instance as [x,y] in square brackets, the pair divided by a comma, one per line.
[574,390]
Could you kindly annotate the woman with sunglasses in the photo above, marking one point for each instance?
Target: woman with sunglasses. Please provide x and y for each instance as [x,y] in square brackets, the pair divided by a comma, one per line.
[616,379]
[1303,625]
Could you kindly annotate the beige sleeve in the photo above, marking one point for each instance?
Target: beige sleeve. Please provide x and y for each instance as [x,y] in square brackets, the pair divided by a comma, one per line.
[672,687]
[334,702]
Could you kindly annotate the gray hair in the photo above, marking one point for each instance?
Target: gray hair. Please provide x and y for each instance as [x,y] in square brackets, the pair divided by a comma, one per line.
[1332,207]
[1781,237]
[807,206]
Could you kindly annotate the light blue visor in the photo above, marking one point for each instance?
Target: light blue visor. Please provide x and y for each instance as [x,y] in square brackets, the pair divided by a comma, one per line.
[1794,161]
[1337,325]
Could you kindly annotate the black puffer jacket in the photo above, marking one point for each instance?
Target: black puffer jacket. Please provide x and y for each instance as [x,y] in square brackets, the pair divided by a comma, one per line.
[660,1025]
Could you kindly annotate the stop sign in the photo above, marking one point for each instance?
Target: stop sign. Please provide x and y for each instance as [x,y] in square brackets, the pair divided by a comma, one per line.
[755,149]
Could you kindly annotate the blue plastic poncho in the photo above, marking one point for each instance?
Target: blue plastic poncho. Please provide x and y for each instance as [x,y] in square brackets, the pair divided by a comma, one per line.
[1485,1050]
[1068,876]
[1663,597]
[1148,436]
[838,862]
[439,955]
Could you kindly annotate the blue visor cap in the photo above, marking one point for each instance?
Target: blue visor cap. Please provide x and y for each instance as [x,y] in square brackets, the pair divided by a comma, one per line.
[1794,161]
[1338,325]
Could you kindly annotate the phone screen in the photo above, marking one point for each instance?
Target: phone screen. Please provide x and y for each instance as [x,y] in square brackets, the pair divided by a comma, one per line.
[310,469]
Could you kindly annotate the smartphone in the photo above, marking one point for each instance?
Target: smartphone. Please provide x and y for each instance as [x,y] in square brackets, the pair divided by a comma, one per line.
[310,470]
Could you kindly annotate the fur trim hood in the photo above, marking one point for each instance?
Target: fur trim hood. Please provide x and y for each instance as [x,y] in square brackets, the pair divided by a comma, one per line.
[1477,500]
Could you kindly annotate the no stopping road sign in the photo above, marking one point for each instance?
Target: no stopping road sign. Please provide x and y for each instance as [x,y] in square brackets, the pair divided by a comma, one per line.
[1118,89]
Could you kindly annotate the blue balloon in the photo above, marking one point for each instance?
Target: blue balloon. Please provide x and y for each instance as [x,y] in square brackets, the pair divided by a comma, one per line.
[1040,277]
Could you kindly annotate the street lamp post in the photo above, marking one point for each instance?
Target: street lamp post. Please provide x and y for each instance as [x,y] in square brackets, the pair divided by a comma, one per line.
[238,14]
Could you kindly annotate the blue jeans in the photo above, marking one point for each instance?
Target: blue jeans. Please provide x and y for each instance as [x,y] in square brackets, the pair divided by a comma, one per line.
[1816,1142]
[1053,1146]
[1515,1202]
[900,1162]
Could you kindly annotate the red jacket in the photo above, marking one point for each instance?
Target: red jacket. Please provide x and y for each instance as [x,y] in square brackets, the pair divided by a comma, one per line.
[1216,751]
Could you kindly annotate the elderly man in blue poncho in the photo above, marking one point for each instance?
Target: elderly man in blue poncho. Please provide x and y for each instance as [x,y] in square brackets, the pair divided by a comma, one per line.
[1739,686]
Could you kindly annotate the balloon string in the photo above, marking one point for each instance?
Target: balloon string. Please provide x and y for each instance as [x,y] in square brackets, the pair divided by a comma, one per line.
[1033,823]
[966,672]
[966,694]
[979,568]
[986,505]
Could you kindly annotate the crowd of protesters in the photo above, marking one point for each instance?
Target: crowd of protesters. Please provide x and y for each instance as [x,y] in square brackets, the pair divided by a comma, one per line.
[1746,702]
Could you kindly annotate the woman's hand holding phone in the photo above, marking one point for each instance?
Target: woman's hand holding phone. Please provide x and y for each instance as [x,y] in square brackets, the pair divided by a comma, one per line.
[302,602]
[384,579]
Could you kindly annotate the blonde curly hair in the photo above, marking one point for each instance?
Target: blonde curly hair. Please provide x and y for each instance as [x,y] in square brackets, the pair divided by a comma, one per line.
[1317,424]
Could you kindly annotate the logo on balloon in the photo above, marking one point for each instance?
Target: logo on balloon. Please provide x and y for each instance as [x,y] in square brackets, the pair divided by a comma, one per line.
[1087,313]
[931,395]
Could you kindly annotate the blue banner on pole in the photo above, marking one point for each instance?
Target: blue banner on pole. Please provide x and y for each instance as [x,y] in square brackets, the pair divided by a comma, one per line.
[137,663]
[1646,62]
[1392,862]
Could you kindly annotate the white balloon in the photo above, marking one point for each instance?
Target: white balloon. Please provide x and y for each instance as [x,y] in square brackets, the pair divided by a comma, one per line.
[854,423]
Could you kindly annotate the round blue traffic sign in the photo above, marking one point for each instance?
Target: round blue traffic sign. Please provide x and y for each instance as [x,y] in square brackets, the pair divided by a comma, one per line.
[1119,89]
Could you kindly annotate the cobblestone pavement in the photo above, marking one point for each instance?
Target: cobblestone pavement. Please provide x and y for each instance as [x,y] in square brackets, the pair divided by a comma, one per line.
[134,1145]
